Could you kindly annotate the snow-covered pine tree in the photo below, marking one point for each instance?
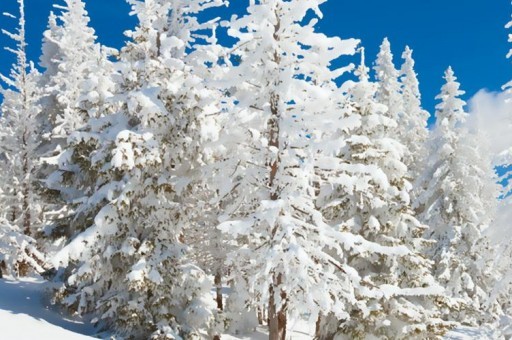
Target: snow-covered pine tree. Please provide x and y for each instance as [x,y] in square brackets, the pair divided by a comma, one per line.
[136,271]
[369,196]
[458,204]
[288,258]
[19,139]
[283,263]
[208,247]
[389,92]
[76,83]
[282,83]
[414,119]
[19,253]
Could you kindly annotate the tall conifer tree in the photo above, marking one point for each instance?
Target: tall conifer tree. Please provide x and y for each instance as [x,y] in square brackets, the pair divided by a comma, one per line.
[281,88]
[20,136]
[458,204]
[397,297]
[76,82]
[148,156]
[413,123]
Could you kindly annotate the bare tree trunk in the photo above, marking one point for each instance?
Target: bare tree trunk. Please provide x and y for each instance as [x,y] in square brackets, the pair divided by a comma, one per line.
[14,212]
[3,267]
[218,290]
[25,191]
[317,327]
[26,216]
[277,319]
[260,315]
[282,322]
[26,202]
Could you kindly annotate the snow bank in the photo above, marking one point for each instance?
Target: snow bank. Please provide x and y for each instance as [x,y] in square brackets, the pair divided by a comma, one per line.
[25,316]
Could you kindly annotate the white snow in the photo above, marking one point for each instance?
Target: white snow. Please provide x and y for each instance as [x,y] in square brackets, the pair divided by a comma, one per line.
[303,331]
[26,315]
[298,330]
[470,333]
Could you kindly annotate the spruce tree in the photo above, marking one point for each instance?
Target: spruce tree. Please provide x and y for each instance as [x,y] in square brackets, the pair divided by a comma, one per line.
[458,204]
[21,214]
[136,270]
[414,120]
[282,91]
[397,297]
[76,81]
[388,92]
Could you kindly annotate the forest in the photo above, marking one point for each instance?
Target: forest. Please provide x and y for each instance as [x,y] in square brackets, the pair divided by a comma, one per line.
[188,186]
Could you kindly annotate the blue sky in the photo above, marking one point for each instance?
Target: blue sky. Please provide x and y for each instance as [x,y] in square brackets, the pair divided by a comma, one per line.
[469,35]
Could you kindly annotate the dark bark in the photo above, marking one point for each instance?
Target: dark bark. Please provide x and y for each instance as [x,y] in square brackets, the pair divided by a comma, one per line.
[274,142]
[218,289]
[26,215]
[317,326]
[277,315]
[277,318]
[26,190]
[260,316]
[3,267]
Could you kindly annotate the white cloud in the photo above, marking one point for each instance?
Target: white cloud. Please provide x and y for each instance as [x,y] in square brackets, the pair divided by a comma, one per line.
[491,114]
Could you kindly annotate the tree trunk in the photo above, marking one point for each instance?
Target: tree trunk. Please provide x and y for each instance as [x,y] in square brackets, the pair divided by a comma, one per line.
[317,326]
[260,315]
[14,212]
[3,267]
[277,319]
[26,191]
[218,289]
[26,212]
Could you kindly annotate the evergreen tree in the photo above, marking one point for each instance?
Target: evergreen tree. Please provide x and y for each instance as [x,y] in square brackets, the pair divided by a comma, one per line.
[21,213]
[458,204]
[397,296]
[389,92]
[136,270]
[414,120]
[76,82]
[282,91]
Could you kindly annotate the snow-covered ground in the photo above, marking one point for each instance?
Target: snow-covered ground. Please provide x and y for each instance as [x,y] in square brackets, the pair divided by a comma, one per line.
[25,314]
[303,332]
[468,333]
[298,331]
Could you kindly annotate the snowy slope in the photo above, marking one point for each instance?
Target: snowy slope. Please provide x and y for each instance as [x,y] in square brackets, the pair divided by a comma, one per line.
[303,331]
[298,331]
[24,316]
[469,333]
